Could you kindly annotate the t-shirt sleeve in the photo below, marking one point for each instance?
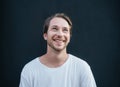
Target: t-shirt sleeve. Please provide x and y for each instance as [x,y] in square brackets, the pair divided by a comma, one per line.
[25,78]
[23,82]
[87,78]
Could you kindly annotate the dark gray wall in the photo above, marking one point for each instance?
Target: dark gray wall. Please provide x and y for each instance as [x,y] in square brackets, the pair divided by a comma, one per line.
[96,38]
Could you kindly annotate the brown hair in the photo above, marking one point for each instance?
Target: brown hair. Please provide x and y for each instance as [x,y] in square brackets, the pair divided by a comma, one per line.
[60,15]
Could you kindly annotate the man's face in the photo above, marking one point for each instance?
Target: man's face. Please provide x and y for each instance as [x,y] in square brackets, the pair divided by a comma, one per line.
[58,34]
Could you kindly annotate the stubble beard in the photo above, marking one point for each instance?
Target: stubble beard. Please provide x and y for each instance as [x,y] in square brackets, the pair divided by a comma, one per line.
[55,48]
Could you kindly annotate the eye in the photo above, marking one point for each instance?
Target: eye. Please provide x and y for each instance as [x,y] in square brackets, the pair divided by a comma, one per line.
[65,29]
[54,29]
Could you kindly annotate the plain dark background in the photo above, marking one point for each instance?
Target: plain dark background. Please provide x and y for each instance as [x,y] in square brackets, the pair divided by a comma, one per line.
[96,36]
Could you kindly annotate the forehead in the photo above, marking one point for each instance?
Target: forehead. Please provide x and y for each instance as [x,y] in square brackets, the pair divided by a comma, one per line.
[57,21]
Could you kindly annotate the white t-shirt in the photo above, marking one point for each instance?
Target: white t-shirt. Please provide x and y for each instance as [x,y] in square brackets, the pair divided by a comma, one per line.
[75,72]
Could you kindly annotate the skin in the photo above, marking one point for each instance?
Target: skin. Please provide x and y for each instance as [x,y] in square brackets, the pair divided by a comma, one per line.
[57,37]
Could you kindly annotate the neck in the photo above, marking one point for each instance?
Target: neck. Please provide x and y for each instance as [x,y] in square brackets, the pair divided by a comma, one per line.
[57,55]
[54,58]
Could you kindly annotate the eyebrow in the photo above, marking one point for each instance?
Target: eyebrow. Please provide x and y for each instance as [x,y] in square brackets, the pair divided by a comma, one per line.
[58,26]
[54,26]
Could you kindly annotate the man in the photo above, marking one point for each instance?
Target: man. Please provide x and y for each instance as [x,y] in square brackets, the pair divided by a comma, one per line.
[57,68]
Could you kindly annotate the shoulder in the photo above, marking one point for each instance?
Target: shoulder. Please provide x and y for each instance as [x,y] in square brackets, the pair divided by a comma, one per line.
[79,63]
[32,63]
[30,66]
[78,60]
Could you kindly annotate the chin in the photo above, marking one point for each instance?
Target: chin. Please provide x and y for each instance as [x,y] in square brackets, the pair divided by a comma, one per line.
[59,49]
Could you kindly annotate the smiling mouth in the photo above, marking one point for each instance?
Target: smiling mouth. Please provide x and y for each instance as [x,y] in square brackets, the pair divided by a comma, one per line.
[58,40]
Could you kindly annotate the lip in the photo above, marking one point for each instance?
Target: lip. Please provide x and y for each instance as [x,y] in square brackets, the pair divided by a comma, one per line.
[59,40]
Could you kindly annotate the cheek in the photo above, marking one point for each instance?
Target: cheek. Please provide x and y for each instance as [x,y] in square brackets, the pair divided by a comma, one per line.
[50,36]
[68,38]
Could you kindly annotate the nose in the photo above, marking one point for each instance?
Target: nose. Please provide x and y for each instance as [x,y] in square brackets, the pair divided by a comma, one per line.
[60,33]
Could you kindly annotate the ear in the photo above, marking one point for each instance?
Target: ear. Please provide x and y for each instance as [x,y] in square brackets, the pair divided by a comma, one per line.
[45,36]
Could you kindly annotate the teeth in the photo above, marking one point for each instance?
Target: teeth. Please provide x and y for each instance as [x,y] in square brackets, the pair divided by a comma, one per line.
[59,40]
